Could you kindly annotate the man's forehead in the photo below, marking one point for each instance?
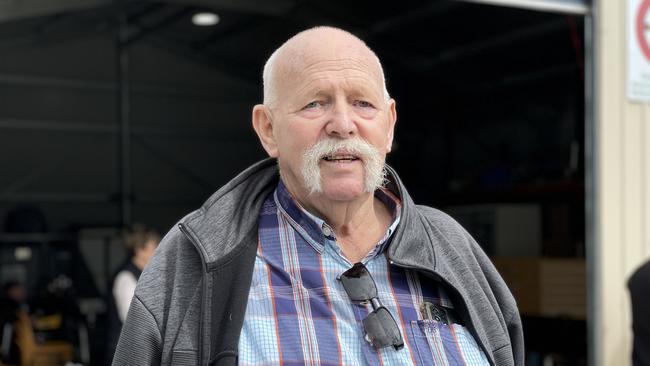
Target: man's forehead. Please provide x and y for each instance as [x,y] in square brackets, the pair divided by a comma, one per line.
[323,46]
[354,84]
[311,65]
[327,78]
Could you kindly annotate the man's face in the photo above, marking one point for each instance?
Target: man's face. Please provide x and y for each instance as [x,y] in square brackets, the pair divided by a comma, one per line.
[147,251]
[331,97]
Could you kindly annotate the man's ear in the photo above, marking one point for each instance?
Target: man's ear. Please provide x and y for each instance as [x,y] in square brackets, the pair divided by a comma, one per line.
[392,118]
[264,128]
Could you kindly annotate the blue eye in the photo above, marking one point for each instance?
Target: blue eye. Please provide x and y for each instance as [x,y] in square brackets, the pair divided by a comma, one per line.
[363,104]
[312,105]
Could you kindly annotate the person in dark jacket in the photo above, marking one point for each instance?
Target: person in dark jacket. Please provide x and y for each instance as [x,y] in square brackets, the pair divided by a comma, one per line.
[318,255]
[639,286]
[140,242]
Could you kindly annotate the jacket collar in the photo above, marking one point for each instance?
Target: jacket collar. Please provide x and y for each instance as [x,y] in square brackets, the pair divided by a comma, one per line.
[227,221]
[412,244]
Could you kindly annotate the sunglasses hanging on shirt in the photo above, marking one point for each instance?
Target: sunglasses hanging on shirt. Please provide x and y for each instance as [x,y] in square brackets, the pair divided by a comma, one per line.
[380,326]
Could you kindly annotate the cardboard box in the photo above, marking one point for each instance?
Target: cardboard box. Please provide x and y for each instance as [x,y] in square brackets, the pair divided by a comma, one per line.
[549,287]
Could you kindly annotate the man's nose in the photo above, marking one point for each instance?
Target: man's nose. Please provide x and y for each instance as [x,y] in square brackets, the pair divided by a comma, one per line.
[341,122]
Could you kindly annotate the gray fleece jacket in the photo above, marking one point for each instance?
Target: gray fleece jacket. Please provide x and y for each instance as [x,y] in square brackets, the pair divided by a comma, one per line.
[189,303]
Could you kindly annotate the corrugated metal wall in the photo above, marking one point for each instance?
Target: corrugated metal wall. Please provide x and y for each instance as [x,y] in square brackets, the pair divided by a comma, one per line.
[59,132]
[622,187]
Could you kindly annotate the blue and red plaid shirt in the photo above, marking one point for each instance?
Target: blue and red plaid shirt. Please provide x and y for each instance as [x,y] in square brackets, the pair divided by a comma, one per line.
[298,313]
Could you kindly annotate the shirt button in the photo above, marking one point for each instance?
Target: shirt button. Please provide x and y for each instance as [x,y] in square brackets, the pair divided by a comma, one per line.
[327,231]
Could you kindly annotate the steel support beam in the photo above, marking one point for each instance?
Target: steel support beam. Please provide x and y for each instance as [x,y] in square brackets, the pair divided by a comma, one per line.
[103,199]
[592,203]
[576,7]
[216,135]
[52,197]
[124,113]
[169,89]
[56,126]
[262,7]
[13,10]
[39,39]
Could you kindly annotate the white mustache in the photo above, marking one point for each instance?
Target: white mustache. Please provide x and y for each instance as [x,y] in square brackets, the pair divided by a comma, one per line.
[373,163]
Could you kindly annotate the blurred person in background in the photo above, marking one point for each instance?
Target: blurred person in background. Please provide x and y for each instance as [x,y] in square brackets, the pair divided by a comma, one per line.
[16,333]
[639,286]
[141,242]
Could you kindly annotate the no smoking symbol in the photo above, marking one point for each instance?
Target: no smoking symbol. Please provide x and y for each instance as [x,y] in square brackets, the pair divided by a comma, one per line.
[643,28]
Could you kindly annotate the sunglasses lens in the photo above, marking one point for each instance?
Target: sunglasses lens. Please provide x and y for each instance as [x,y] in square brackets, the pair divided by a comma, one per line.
[382,329]
[358,284]
[380,326]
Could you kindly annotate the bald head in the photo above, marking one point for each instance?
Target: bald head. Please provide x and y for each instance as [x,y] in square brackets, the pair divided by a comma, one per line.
[319,43]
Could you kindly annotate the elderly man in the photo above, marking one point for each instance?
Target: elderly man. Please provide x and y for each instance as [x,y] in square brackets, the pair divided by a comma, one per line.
[330,262]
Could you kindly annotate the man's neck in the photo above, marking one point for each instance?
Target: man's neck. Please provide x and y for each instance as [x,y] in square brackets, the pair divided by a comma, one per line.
[358,224]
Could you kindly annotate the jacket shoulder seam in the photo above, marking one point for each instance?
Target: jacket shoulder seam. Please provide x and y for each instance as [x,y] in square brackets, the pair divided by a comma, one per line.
[180,323]
[137,297]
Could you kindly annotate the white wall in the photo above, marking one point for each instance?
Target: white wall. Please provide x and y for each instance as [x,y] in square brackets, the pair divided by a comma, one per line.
[622,187]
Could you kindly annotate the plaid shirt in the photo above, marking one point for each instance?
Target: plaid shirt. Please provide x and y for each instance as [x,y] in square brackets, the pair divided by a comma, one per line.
[298,313]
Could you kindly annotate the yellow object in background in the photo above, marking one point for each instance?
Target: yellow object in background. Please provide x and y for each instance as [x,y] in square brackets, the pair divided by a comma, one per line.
[52,353]
[48,322]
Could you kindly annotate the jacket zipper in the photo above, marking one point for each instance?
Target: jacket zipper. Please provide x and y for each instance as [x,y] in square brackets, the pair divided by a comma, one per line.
[470,323]
[187,234]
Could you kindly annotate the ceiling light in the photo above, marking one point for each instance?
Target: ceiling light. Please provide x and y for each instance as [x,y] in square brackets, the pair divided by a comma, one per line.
[23,253]
[205,19]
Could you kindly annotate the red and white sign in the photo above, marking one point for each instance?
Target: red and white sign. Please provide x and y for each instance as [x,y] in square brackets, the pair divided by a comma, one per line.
[638,50]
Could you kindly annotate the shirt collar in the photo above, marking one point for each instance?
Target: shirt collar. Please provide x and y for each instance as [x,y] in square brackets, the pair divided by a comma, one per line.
[317,232]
